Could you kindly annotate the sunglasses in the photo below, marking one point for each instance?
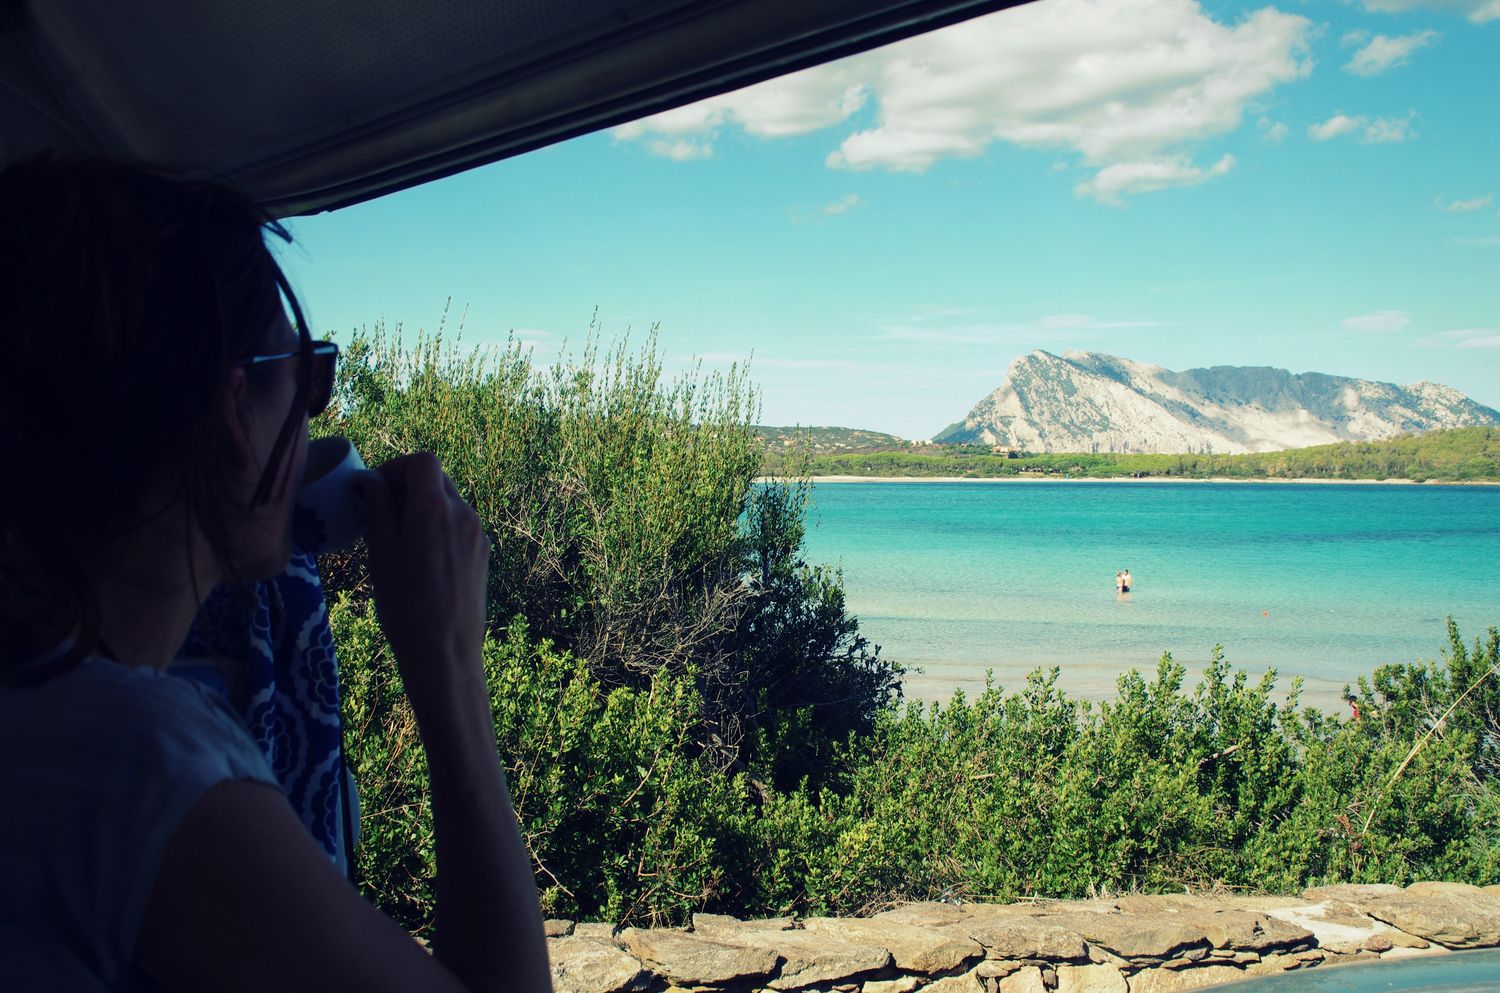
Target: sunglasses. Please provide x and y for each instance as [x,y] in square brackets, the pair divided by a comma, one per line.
[325,357]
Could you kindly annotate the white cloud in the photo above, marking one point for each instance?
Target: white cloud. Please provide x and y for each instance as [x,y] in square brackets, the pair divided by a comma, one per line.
[1382,52]
[1333,127]
[1378,321]
[1464,206]
[1130,83]
[1371,130]
[1477,11]
[789,105]
[682,149]
[1382,130]
[1114,181]
[1463,338]
[843,204]
[1272,130]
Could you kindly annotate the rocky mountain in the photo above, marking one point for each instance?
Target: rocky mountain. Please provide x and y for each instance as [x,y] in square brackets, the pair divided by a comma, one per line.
[1090,402]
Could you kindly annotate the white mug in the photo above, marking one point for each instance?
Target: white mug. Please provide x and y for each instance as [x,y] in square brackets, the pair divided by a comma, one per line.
[330,514]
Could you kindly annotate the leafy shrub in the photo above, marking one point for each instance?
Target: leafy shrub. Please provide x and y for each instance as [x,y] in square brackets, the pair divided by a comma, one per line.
[690,719]
[622,822]
[630,531]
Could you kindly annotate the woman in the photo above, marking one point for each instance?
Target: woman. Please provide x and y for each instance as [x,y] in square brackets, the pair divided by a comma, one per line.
[154,402]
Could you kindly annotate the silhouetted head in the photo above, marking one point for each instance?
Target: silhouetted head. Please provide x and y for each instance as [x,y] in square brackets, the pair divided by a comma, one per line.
[132,300]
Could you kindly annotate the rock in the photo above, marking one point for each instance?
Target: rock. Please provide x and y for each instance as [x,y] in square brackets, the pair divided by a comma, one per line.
[1029,938]
[924,914]
[1136,937]
[602,931]
[1355,893]
[1186,903]
[1171,980]
[1431,887]
[1230,955]
[1343,912]
[997,969]
[703,923]
[901,984]
[1049,975]
[1401,939]
[1311,918]
[1024,980]
[1272,965]
[1251,932]
[1351,957]
[1090,979]
[913,948]
[809,959]
[1467,920]
[724,926]
[554,928]
[1312,955]
[1051,908]
[690,960]
[1103,956]
[966,983]
[1087,401]
[589,965]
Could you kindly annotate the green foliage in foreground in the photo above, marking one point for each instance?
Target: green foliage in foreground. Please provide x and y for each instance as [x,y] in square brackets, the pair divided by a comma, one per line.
[1459,455]
[1019,794]
[690,719]
[628,531]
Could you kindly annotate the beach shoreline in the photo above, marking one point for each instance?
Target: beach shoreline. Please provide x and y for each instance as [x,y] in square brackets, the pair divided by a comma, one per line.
[1099,683]
[1040,478]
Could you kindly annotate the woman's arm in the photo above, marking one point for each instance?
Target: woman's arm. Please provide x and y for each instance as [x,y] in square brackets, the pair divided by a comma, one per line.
[245,900]
[429,562]
[243,893]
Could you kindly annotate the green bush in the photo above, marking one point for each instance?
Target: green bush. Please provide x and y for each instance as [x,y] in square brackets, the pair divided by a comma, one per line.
[629,530]
[690,719]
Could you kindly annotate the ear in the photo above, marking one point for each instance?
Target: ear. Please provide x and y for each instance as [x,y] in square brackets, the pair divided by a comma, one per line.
[236,425]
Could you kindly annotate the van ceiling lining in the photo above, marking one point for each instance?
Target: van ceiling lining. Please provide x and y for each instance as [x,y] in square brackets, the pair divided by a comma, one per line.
[310,105]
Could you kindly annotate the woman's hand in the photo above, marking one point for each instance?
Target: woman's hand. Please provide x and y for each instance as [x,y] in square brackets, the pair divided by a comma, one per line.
[429,560]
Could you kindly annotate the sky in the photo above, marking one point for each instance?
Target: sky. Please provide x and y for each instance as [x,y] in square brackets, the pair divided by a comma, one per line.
[1312,185]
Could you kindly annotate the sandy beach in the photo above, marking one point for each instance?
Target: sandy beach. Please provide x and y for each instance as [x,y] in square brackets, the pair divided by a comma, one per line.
[935,682]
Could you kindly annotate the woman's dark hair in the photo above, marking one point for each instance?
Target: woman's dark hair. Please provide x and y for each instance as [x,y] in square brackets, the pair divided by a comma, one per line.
[128,297]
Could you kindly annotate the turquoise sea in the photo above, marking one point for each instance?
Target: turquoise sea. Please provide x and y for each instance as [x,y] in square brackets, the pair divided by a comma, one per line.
[1323,581]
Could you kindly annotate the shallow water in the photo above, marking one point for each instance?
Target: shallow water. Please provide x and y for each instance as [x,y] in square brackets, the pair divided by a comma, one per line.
[1325,582]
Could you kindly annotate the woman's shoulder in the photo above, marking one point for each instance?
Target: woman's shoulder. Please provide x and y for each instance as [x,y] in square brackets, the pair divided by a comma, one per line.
[101,763]
[102,711]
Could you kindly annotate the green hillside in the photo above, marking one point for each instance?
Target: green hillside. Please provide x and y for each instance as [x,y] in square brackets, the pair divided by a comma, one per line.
[1459,455]
[826,440]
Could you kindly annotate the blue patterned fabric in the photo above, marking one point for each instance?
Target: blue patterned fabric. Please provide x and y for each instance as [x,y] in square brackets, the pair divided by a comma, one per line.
[292,688]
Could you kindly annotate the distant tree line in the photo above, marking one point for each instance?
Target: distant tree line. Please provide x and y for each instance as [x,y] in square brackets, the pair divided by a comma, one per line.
[1458,455]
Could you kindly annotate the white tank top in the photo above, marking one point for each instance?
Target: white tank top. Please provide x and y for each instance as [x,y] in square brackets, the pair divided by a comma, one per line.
[98,766]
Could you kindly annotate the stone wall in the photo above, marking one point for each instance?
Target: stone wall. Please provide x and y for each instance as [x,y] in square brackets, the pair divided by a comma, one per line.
[1133,944]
